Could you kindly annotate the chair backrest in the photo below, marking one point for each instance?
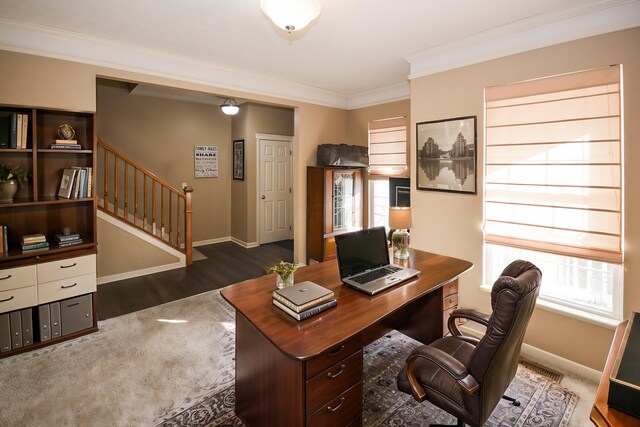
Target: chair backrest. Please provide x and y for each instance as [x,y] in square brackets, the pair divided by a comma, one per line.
[495,359]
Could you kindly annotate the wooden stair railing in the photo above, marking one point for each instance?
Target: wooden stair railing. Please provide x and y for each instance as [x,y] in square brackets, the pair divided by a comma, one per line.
[141,187]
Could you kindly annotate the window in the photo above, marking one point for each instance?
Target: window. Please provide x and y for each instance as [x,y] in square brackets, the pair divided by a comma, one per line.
[553,186]
[387,157]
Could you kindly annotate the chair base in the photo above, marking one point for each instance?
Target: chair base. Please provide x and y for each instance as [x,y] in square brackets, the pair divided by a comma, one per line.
[514,402]
[459,423]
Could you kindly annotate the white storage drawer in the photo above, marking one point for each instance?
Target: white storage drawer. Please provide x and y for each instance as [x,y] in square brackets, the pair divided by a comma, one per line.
[65,268]
[66,288]
[16,299]
[19,277]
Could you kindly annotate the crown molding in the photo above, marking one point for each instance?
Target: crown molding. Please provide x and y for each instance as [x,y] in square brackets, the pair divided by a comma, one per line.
[541,31]
[397,92]
[66,45]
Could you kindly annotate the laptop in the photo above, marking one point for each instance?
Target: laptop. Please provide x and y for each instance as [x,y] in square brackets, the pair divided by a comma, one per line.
[363,261]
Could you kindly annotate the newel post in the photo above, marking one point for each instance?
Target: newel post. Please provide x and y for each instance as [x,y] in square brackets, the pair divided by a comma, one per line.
[188,238]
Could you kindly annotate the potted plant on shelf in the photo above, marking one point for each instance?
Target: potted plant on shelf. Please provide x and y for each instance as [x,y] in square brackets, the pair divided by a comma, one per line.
[284,271]
[11,178]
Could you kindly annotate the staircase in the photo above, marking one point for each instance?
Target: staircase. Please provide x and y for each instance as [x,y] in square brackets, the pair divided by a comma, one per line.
[133,194]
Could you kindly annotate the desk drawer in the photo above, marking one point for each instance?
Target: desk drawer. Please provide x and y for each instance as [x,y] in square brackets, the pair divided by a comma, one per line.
[65,268]
[16,299]
[20,277]
[340,410]
[450,302]
[66,288]
[330,383]
[333,356]
[450,289]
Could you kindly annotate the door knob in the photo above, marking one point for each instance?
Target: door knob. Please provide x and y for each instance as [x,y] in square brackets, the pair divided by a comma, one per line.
[262,197]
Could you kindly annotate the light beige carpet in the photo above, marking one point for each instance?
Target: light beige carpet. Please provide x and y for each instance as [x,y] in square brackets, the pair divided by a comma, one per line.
[138,370]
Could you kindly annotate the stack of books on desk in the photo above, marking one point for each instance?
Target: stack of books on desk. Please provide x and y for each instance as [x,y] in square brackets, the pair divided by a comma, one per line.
[34,241]
[304,300]
[65,240]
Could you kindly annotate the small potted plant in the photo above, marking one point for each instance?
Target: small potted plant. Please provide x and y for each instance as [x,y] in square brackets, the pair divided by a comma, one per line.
[284,271]
[11,178]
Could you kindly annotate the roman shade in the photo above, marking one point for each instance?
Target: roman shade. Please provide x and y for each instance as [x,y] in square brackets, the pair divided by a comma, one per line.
[553,165]
[388,147]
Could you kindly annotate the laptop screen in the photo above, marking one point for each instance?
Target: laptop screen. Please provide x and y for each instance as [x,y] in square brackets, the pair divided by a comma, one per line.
[362,250]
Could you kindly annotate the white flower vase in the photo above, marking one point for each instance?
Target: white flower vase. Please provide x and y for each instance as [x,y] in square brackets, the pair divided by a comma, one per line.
[283,283]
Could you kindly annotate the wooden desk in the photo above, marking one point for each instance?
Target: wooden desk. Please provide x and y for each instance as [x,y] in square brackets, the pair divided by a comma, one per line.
[291,373]
[601,414]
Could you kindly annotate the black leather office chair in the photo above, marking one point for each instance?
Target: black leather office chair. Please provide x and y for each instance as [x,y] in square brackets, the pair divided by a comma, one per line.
[465,376]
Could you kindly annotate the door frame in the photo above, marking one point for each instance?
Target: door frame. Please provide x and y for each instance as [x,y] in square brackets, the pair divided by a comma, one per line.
[272,137]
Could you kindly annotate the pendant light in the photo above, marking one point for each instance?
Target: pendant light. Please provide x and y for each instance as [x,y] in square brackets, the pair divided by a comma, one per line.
[291,15]
[230,107]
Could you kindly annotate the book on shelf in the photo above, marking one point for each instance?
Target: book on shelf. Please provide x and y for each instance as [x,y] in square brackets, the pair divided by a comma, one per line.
[66,183]
[32,246]
[33,238]
[306,313]
[89,178]
[4,131]
[2,250]
[65,147]
[66,237]
[25,131]
[66,142]
[5,239]
[68,243]
[302,296]
[18,131]
[13,131]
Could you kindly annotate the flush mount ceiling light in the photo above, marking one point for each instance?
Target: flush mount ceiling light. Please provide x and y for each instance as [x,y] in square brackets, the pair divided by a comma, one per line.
[230,107]
[291,15]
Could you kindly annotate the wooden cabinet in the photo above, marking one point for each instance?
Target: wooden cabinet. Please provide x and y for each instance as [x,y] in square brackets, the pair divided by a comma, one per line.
[334,206]
[36,277]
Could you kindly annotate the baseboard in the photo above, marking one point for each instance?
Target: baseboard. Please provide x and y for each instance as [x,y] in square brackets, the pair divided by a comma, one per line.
[138,273]
[211,241]
[547,359]
[245,244]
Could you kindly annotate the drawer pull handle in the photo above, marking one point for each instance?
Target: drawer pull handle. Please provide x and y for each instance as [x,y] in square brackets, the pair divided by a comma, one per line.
[68,286]
[336,351]
[342,399]
[8,276]
[330,375]
[69,266]
[8,299]
[451,300]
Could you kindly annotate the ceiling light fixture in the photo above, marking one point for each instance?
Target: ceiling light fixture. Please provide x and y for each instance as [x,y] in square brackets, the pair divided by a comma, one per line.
[230,107]
[291,15]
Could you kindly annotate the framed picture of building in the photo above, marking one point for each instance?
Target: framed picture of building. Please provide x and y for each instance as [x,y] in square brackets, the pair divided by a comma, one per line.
[446,155]
[238,159]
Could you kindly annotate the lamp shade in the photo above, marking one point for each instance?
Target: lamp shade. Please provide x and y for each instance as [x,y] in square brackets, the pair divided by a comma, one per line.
[399,218]
[230,107]
[291,15]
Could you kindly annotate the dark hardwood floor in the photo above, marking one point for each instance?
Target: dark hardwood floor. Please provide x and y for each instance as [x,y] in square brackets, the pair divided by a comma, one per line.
[226,263]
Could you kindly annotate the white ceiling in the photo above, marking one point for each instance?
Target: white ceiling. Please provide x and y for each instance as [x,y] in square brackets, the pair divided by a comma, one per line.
[357,52]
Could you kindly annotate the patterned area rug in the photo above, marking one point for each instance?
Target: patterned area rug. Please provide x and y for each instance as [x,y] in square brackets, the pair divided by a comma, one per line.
[544,401]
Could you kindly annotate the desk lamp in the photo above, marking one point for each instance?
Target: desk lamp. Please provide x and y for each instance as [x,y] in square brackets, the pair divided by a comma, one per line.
[400,220]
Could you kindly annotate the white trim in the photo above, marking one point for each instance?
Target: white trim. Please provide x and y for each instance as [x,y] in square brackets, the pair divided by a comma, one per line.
[137,273]
[245,244]
[211,241]
[547,359]
[134,231]
[577,22]
[396,92]
[569,312]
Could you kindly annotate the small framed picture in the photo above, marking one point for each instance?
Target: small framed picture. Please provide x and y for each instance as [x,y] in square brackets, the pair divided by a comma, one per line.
[238,159]
[446,155]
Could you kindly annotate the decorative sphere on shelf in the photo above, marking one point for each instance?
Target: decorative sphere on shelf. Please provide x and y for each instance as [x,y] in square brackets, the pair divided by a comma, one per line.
[65,131]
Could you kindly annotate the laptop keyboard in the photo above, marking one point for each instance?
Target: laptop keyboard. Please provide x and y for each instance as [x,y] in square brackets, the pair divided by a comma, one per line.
[370,276]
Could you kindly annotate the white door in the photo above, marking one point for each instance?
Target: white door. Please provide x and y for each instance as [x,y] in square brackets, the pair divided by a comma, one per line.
[274,190]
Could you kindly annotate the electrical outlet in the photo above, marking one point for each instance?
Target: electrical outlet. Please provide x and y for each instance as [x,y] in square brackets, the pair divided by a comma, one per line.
[184,185]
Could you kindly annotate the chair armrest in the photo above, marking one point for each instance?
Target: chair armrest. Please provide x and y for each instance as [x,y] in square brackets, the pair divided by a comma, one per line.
[446,363]
[464,313]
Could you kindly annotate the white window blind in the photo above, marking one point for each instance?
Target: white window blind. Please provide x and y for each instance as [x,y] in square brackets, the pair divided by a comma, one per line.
[553,177]
[388,147]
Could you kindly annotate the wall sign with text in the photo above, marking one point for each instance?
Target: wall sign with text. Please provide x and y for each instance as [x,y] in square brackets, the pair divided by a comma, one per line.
[206,161]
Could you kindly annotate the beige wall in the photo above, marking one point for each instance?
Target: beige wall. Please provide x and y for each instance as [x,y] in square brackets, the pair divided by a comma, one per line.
[452,224]
[160,134]
[253,119]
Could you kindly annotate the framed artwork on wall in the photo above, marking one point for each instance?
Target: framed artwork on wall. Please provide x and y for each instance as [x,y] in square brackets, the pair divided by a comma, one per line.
[446,155]
[238,159]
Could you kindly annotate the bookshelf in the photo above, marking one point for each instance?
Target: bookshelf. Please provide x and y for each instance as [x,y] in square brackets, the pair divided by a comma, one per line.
[37,209]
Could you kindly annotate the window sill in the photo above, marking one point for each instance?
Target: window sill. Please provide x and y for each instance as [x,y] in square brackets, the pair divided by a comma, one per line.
[570,312]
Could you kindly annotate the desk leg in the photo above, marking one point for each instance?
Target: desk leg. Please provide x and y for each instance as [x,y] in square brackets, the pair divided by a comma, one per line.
[269,385]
